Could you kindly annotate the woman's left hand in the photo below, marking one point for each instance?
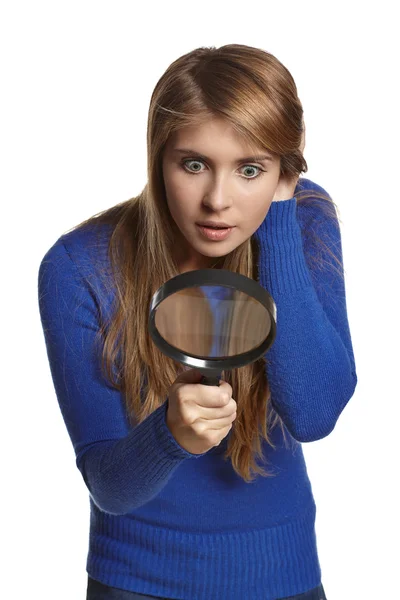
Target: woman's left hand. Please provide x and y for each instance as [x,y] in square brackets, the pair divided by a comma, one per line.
[286,188]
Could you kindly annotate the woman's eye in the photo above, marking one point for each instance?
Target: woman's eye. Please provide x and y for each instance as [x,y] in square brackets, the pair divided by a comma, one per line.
[197,170]
[252,167]
[192,161]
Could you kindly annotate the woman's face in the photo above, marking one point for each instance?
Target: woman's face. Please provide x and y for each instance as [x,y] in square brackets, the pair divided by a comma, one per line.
[206,178]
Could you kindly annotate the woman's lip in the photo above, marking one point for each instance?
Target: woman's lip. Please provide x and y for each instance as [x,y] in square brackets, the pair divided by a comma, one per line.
[216,226]
[214,234]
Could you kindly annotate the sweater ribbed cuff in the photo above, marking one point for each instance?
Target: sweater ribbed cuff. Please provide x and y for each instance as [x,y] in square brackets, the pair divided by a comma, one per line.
[282,265]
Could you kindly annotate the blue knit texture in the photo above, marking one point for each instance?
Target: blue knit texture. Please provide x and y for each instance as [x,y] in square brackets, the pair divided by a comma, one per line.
[169,523]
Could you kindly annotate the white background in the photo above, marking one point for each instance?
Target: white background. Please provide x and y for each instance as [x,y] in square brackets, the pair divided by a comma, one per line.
[76,81]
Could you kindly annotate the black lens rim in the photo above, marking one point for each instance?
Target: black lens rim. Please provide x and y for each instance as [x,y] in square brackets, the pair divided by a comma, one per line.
[200,277]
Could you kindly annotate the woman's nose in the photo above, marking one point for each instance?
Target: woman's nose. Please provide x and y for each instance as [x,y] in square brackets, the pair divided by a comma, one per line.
[218,196]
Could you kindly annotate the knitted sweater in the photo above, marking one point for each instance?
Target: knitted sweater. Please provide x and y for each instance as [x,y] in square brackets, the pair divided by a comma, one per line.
[173,524]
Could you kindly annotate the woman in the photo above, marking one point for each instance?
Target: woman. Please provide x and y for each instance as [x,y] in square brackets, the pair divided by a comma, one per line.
[179,506]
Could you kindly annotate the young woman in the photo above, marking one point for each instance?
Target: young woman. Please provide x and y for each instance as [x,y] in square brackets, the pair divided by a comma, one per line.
[180,507]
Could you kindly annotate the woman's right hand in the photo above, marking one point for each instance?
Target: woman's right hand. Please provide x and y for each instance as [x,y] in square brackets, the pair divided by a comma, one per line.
[199,416]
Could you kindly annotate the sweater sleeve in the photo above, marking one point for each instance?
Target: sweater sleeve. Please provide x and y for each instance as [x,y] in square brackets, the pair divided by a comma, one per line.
[123,467]
[310,366]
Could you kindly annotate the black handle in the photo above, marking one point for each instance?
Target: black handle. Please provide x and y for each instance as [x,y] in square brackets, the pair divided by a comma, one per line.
[210,380]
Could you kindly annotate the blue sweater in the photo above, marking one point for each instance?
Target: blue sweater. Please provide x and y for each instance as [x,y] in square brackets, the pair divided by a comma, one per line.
[169,523]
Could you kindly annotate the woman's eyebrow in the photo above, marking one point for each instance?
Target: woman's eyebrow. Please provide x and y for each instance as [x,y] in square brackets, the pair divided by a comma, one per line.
[239,160]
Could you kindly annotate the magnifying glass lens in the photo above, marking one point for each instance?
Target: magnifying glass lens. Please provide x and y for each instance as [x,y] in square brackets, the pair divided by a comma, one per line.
[212,321]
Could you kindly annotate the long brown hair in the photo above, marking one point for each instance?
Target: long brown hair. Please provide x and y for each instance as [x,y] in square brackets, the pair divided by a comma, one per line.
[257,95]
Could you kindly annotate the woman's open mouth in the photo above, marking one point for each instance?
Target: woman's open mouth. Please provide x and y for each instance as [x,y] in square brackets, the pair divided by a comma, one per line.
[213,233]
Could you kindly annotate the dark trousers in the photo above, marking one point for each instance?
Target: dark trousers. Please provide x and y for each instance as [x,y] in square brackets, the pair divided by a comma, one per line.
[100,591]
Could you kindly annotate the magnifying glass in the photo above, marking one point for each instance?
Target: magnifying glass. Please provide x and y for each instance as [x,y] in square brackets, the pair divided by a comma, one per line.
[212,320]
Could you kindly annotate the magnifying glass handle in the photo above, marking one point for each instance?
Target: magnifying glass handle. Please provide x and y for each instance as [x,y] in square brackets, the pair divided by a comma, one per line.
[210,380]
[211,376]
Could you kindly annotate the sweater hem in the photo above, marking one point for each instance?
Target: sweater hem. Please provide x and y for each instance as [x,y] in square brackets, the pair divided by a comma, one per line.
[263,564]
